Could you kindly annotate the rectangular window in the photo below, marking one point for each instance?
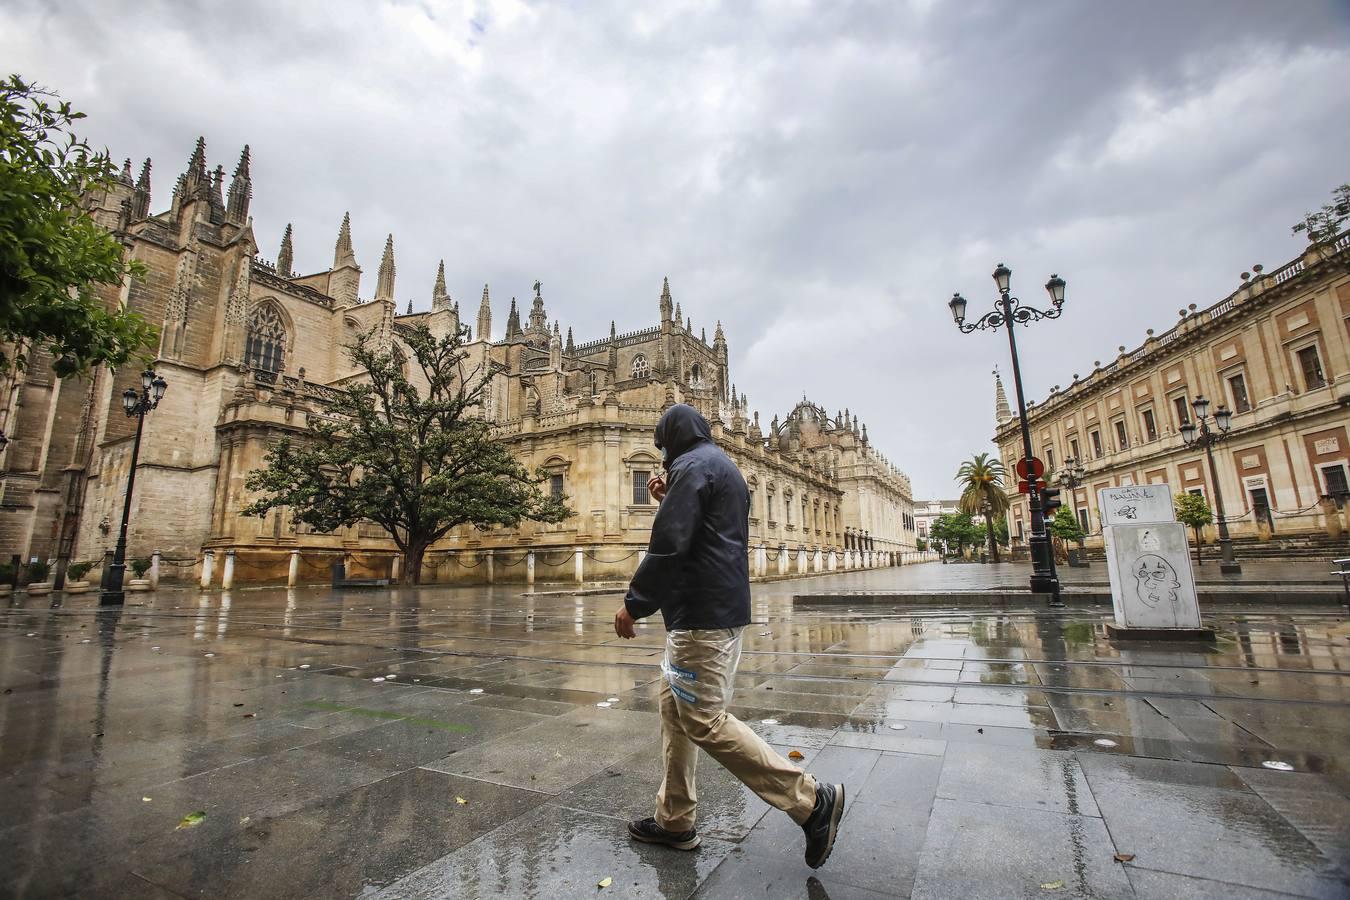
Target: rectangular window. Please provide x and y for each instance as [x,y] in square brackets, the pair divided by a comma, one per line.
[1334,476]
[1311,364]
[1183,409]
[641,496]
[1150,425]
[555,486]
[1050,459]
[1083,519]
[1096,438]
[1073,450]
[768,509]
[1122,441]
[752,504]
[787,509]
[1237,387]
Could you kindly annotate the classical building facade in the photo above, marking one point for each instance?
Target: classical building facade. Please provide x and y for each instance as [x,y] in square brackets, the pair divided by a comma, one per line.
[926,512]
[1276,352]
[252,348]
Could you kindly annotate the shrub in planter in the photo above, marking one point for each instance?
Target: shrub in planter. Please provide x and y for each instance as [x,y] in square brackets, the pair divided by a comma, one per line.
[37,578]
[75,582]
[139,567]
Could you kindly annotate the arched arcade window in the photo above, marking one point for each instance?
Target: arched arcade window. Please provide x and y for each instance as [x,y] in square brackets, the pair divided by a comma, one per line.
[265,342]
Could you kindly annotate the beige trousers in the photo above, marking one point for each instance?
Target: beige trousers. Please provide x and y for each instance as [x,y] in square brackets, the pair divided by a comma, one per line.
[699,669]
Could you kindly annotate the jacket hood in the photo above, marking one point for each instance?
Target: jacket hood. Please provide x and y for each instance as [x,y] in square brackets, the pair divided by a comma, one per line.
[680,428]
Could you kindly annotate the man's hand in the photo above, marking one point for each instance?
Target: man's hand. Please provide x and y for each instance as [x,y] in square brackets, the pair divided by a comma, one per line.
[623,623]
[656,486]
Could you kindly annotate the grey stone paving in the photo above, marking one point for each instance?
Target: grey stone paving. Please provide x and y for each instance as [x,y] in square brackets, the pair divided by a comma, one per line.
[447,743]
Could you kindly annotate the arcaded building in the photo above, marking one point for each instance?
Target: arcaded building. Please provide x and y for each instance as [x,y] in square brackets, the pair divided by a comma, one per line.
[252,348]
[1276,352]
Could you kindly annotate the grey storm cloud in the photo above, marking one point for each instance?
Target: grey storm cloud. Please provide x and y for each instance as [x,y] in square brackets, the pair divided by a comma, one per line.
[818,176]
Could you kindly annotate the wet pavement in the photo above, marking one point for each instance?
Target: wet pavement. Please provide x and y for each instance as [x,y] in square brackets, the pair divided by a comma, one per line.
[448,742]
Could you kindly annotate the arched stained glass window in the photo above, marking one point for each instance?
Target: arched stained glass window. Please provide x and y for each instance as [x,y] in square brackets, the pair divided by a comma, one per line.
[640,367]
[265,344]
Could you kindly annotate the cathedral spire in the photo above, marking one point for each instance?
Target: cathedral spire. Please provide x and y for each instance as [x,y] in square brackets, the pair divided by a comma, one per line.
[667,307]
[241,191]
[384,280]
[285,254]
[571,348]
[125,177]
[613,362]
[512,321]
[140,198]
[343,255]
[1001,411]
[217,193]
[485,317]
[440,297]
[196,183]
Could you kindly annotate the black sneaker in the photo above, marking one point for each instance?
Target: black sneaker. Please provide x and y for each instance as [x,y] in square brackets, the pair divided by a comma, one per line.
[823,825]
[647,831]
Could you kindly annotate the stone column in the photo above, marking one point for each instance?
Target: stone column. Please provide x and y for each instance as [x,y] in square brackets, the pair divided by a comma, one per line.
[227,574]
[293,571]
[487,561]
[581,565]
[782,559]
[529,567]
[154,570]
[832,562]
[395,568]
[818,561]
[801,560]
[208,564]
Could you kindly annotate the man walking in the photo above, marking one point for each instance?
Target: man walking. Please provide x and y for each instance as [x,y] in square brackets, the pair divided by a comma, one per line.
[697,574]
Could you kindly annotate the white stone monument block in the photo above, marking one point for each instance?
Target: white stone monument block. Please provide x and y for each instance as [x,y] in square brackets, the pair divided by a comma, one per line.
[1151,581]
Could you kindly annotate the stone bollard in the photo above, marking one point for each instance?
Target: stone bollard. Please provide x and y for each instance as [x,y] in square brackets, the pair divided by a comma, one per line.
[761,561]
[818,561]
[154,570]
[782,559]
[529,567]
[487,561]
[395,568]
[293,571]
[208,563]
[580,565]
[801,560]
[227,574]
[832,563]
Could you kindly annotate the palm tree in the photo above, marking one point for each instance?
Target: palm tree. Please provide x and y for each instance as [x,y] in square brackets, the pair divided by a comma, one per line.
[982,492]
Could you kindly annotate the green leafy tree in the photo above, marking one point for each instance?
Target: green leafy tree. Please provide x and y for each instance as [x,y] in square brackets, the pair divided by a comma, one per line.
[1193,512]
[1065,525]
[956,531]
[52,253]
[1324,225]
[415,461]
[982,493]
[1001,532]
[920,544]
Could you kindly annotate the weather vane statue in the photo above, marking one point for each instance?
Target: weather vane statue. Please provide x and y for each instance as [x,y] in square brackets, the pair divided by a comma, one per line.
[538,286]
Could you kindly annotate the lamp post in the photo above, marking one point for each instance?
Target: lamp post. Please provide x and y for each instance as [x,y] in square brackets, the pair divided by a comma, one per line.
[1071,476]
[135,403]
[1202,436]
[1009,311]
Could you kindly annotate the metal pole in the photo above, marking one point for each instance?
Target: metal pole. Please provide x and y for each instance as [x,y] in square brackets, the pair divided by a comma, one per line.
[1228,565]
[112,594]
[1043,577]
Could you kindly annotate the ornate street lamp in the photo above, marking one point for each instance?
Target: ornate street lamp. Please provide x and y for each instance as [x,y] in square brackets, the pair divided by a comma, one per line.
[1009,311]
[1071,476]
[1201,436]
[134,403]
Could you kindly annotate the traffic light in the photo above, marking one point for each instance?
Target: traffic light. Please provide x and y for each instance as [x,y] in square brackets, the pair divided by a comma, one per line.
[1050,501]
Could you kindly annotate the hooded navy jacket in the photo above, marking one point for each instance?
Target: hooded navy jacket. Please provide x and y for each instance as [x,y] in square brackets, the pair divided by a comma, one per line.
[697,570]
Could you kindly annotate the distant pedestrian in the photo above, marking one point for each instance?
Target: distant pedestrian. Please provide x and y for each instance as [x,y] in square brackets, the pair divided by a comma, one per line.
[697,574]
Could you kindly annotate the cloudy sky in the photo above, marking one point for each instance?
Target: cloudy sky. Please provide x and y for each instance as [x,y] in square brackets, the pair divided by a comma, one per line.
[819,176]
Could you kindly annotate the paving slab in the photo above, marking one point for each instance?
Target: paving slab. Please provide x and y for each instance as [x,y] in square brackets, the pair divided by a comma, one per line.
[970,854]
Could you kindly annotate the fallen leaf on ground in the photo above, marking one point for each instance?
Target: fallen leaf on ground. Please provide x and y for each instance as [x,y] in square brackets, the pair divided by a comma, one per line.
[604,882]
[1052,885]
[250,715]
[191,820]
[1124,857]
[461,801]
[795,754]
[145,799]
